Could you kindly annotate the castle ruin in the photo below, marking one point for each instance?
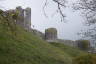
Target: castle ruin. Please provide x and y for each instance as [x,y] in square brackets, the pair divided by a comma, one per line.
[25,17]
[51,34]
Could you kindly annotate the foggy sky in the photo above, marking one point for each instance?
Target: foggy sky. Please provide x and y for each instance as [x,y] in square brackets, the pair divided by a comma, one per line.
[66,30]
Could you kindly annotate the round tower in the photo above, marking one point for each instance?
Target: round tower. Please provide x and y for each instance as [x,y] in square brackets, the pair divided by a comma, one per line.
[51,34]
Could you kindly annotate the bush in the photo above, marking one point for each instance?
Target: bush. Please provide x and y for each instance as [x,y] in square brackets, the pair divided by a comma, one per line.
[85,59]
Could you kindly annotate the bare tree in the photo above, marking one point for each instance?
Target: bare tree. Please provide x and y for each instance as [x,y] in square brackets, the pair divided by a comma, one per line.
[88,8]
[60,5]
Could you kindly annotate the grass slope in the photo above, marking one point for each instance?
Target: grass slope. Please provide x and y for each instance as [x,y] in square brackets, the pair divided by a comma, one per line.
[72,51]
[26,48]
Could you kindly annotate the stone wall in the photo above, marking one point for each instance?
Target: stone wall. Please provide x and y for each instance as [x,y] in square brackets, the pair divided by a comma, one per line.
[50,35]
[68,42]
[38,33]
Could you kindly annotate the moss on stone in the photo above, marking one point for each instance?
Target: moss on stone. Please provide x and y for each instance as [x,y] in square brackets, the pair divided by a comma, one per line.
[51,30]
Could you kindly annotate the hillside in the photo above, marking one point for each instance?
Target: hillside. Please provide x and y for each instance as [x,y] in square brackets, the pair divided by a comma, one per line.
[72,51]
[26,48]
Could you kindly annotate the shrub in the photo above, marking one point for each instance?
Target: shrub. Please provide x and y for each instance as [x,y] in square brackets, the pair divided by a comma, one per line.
[85,59]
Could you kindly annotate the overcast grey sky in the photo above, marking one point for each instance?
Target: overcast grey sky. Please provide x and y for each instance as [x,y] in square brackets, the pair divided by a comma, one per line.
[65,30]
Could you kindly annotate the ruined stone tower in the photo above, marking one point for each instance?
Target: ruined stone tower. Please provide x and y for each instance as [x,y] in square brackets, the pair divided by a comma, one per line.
[27,18]
[24,19]
[51,34]
[20,20]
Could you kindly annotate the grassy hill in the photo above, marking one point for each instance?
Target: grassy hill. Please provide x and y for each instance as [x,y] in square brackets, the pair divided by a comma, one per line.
[72,51]
[26,48]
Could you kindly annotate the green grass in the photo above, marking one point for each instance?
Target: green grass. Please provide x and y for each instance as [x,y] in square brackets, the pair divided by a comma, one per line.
[26,48]
[72,51]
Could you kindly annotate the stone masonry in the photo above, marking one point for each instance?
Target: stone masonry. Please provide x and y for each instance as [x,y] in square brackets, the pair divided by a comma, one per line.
[25,17]
[51,34]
